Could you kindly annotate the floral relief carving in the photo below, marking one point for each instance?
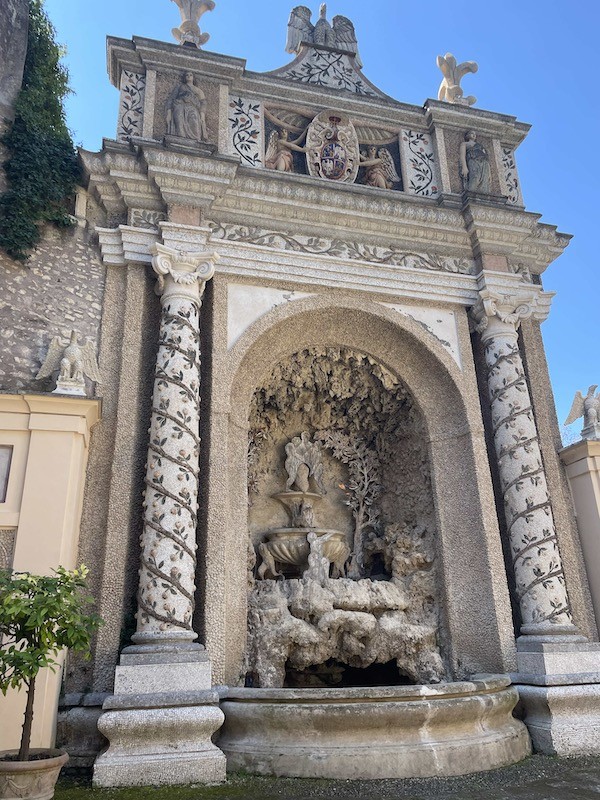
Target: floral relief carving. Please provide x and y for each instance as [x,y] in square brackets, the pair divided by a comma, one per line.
[331,70]
[336,248]
[245,131]
[511,178]
[419,163]
[131,108]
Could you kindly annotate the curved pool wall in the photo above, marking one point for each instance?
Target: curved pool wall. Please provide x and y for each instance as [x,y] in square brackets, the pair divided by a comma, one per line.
[369,733]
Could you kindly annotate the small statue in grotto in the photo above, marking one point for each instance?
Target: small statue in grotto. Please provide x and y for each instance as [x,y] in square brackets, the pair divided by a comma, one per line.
[303,462]
[474,165]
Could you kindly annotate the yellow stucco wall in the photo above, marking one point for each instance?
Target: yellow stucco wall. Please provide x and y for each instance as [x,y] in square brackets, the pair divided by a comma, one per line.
[49,435]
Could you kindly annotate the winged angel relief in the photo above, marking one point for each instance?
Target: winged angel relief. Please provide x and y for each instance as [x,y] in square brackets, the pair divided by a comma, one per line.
[340,35]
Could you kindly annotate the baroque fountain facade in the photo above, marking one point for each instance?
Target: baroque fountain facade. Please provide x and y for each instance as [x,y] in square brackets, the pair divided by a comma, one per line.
[344,546]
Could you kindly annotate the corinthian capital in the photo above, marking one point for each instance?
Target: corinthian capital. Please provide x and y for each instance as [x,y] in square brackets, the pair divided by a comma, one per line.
[497,311]
[181,272]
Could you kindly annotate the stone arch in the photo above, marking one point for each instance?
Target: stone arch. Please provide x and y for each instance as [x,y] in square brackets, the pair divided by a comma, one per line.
[475,595]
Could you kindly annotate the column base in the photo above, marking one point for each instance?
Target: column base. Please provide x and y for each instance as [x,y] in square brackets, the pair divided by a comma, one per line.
[559,686]
[160,721]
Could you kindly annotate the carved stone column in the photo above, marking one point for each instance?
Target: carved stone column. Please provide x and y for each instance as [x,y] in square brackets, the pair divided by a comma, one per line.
[163,713]
[168,541]
[538,570]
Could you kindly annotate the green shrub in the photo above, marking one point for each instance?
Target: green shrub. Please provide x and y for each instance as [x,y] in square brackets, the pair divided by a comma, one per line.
[42,168]
[40,615]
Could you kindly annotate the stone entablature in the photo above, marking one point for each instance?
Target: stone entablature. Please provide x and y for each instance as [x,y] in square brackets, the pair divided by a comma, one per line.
[239,102]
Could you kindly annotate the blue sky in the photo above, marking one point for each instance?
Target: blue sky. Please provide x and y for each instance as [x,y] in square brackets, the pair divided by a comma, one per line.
[537,61]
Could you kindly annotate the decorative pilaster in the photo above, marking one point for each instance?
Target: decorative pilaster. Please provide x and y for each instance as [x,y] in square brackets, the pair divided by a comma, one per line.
[168,541]
[537,562]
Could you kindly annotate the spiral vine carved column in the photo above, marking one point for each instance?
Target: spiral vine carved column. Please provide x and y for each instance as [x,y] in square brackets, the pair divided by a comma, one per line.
[538,569]
[168,540]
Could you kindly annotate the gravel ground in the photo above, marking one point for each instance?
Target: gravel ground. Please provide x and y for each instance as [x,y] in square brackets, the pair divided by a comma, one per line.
[537,778]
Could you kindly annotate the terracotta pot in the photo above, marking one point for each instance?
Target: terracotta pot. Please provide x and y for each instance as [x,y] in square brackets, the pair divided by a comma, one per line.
[30,780]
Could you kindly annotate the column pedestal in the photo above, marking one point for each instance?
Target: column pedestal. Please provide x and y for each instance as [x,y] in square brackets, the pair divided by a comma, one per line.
[163,713]
[559,686]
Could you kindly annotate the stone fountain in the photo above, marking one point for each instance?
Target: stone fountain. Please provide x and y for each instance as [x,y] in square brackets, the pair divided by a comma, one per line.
[347,668]
[291,546]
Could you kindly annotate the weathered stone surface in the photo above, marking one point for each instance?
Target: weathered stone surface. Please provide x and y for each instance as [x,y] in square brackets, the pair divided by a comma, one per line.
[391,732]
[13,46]
[60,289]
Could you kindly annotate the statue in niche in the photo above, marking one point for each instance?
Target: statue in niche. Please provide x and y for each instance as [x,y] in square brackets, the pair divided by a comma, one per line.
[189,32]
[186,111]
[450,90]
[380,170]
[279,155]
[303,462]
[74,362]
[587,407]
[340,35]
[474,165]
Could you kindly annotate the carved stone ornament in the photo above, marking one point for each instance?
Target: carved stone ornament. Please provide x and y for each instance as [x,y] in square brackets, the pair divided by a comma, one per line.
[189,32]
[185,269]
[450,89]
[332,149]
[587,407]
[74,362]
[339,35]
[509,309]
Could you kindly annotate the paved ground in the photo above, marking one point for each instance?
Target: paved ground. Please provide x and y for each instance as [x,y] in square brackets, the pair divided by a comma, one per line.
[537,778]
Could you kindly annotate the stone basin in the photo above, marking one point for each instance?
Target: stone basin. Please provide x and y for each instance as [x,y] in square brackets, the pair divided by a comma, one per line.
[370,733]
[290,545]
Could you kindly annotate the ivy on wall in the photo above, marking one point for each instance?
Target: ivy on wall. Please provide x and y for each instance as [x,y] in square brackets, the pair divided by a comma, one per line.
[42,168]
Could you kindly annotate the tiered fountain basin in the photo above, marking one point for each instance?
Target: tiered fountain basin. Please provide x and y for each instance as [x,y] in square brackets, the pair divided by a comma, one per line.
[369,733]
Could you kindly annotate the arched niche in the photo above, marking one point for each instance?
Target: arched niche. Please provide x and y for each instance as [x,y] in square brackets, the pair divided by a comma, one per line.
[474,602]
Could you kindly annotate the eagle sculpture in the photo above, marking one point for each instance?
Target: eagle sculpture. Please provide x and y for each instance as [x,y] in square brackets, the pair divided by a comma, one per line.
[587,407]
[73,361]
[340,35]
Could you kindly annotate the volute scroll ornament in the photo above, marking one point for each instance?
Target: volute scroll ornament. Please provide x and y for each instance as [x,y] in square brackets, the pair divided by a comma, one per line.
[184,268]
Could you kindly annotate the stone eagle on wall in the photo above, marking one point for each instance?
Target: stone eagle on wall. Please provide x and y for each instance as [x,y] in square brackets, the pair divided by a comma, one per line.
[340,34]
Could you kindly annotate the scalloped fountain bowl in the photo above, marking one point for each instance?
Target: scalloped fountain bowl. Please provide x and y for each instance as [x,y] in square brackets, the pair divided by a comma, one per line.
[370,733]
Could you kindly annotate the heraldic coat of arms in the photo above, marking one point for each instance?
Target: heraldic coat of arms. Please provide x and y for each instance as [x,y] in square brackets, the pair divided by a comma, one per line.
[332,149]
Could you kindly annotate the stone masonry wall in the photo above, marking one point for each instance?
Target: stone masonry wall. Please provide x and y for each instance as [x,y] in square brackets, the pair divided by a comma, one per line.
[60,288]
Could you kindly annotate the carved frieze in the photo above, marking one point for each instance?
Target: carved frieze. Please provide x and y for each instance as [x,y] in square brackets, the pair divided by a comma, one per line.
[337,248]
[419,170]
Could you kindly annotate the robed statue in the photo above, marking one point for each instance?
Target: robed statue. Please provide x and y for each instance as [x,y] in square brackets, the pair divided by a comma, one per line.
[475,165]
[186,111]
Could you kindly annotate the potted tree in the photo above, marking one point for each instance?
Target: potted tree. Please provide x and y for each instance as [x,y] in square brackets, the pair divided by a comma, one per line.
[39,617]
